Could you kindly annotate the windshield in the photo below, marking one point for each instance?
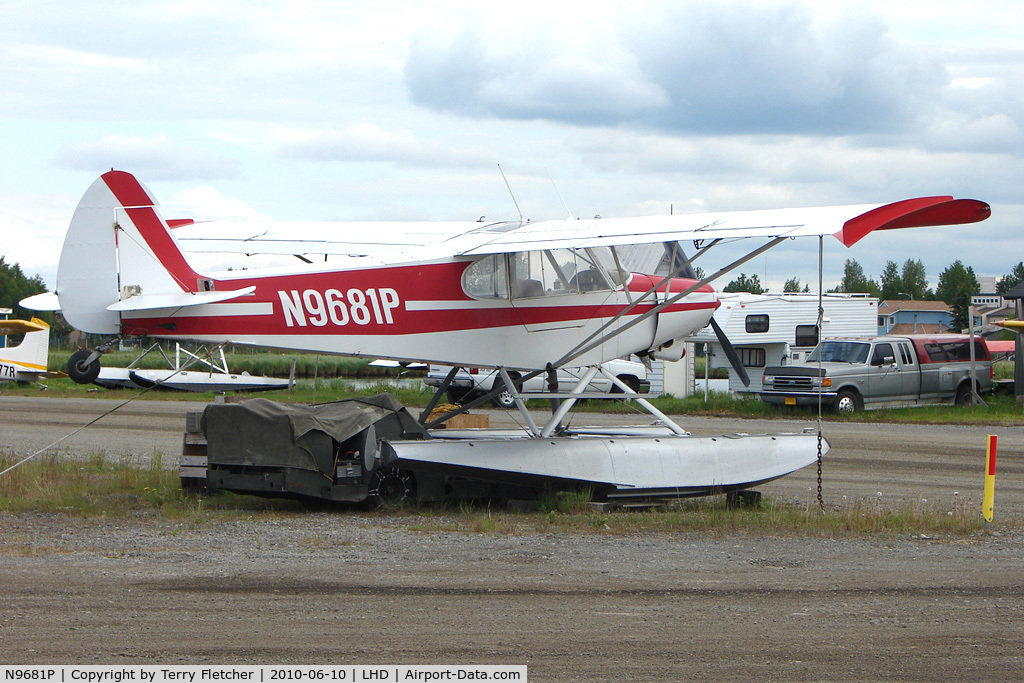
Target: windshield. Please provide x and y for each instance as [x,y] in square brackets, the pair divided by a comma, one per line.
[839,352]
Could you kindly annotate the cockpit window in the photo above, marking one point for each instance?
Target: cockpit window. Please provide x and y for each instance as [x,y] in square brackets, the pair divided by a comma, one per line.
[487,278]
[547,272]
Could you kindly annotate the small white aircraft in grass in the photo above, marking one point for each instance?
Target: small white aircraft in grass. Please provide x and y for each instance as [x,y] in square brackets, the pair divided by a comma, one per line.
[26,362]
[520,296]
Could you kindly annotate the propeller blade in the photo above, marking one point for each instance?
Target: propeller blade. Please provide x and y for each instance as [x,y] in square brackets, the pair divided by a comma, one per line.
[730,353]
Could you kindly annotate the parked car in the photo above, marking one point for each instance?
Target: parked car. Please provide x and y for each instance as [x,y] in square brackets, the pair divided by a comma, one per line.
[472,382]
[883,372]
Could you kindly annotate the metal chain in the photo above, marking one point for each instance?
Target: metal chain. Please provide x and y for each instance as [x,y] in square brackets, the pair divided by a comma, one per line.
[821,501]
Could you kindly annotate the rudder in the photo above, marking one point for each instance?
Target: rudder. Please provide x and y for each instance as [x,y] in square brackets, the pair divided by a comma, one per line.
[117,246]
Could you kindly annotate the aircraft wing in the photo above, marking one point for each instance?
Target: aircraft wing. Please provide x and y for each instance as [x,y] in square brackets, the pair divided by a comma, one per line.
[353,238]
[394,242]
[847,223]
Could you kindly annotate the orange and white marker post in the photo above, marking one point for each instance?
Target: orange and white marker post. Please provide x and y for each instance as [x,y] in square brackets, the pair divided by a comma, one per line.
[988,500]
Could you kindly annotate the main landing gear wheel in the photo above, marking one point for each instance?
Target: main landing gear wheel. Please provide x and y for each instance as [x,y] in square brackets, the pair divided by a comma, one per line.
[81,373]
[390,487]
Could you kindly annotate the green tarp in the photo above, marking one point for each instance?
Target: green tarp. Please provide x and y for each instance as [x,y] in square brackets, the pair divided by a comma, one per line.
[264,433]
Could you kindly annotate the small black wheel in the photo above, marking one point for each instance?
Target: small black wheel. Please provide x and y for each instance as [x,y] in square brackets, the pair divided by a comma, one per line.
[81,373]
[390,487]
[504,398]
[630,381]
[847,403]
[963,396]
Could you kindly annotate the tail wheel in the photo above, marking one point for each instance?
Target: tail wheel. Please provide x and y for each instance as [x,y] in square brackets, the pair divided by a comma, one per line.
[81,373]
[390,487]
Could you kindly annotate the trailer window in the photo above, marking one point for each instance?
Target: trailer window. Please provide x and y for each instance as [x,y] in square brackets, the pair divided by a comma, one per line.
[806,335]
[751,357]
[756,323]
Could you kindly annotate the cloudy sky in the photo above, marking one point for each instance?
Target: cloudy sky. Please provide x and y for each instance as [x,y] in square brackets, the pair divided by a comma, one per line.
[328,110]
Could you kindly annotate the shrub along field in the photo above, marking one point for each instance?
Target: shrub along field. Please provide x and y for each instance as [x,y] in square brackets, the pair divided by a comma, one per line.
[255,362]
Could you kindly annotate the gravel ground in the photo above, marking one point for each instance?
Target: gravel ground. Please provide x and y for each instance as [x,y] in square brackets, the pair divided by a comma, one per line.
[343,587]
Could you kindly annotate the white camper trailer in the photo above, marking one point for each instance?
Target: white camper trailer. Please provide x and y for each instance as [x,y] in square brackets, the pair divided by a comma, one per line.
[776,329]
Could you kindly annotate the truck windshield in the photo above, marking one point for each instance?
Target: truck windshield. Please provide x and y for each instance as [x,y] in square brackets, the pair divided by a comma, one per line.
[840,352]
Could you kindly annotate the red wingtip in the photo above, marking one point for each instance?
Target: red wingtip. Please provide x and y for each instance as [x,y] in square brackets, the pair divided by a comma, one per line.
[914,213]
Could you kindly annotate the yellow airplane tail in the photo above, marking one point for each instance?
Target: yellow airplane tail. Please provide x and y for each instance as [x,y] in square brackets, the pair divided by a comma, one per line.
[32,352]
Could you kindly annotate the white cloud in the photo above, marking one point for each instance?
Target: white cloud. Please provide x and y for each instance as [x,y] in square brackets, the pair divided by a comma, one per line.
[158,158]
[205,203]
[735,68]
[367,142]
[321,110]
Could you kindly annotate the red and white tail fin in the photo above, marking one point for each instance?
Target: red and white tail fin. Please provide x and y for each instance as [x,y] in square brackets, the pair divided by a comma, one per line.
[116,248]
[32,352]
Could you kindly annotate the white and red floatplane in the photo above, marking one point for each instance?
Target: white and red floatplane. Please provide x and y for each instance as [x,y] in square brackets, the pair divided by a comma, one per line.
[517,295]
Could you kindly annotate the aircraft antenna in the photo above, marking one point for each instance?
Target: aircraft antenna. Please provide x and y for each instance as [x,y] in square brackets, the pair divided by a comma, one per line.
[511,193]
[567,209]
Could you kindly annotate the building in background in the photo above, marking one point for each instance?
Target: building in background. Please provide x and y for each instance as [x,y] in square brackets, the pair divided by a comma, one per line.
[899,316]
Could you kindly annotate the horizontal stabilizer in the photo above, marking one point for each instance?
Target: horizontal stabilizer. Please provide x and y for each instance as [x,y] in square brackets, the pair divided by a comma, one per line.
[47,301]
[21,326]
[145,302]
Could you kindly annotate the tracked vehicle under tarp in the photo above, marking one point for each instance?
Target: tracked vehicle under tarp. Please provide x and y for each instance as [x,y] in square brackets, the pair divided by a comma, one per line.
[326,451]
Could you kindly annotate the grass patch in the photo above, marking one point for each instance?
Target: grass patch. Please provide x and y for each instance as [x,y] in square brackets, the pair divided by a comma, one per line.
[99,486]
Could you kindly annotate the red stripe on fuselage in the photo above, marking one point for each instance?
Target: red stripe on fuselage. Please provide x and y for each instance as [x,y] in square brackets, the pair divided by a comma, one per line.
[437,282]
[405,322]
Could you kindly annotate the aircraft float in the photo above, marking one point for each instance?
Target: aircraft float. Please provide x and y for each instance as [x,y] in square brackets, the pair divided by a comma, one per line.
[525,297]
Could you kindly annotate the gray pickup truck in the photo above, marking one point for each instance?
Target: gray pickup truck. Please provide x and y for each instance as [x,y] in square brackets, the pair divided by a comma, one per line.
[884,372]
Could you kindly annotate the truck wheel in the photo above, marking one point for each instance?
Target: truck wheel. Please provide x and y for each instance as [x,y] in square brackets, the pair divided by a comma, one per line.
[963,396]
[630,381]
[504,398]
[78,371]
[458,395]
[847,403]
[389,487]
